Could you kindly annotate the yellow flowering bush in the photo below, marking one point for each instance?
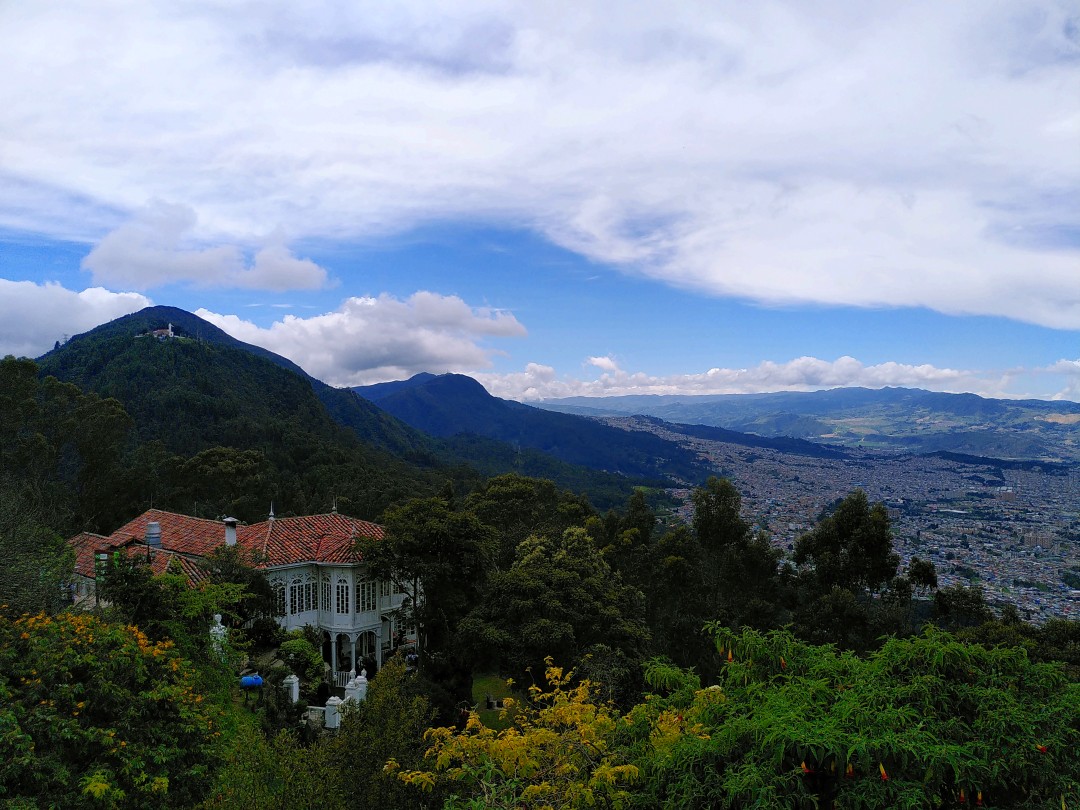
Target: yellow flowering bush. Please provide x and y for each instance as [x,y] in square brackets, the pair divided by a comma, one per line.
[96,714]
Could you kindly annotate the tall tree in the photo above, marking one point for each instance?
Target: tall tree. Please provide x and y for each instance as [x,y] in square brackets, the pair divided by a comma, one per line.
[559,598]
[851,548]
[518,507]
[439,558]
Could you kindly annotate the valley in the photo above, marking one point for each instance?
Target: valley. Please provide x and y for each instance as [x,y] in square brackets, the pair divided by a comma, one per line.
[1012,527]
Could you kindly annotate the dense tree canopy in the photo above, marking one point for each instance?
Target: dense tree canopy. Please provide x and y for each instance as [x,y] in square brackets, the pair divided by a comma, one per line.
[96,714]
[558,598]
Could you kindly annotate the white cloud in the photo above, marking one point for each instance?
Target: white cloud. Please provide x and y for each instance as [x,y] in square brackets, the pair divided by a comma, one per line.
[368,340]
[152,250]
[34,316]
[538,382]
[605,363]
[917,153]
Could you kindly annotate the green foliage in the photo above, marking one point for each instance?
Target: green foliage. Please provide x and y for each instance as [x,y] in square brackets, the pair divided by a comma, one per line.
[517,507]
[96,714]
[62,450]
[278,771]
[933,715]
[438,557]
[166,606]
[559,596]
[720,570]
[960,606]
[388,725]
[851,548]
[302,658]
[37,562]
[557,753]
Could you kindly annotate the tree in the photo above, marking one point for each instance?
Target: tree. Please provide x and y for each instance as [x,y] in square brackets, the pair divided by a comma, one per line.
[558,598]
[560,751]
[438,558]
[37,562]
[389,725]
[166,606]
[923,575]
[961,606]
[278,771]
[847,588]
[98,714]
[851,548]
[721,570]
[517,507]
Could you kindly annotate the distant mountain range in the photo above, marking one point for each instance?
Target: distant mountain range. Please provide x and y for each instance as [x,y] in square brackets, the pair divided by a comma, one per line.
[889,419]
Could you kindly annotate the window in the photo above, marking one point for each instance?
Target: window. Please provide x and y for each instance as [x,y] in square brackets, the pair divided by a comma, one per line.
[342,601]
[326,592]
[302,594]
[384,588]
[279,598]
[365,596]
[295,596]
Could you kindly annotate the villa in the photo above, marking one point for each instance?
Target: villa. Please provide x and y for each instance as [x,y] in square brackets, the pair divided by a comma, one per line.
[316,574]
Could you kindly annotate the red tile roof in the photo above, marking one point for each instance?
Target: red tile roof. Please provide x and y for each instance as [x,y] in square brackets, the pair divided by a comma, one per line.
[315,538]
[282,541]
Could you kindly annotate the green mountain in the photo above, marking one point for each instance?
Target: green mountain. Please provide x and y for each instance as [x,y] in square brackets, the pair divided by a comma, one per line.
[202,389]
[896,419]
[453,405]
[287,438]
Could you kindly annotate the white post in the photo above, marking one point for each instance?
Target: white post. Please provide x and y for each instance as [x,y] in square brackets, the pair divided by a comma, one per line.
[361,686]
[292,686]
[351,691]
[352,657]
[333,712]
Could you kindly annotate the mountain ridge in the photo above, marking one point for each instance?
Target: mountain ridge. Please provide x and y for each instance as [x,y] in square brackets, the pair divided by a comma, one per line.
[891,419]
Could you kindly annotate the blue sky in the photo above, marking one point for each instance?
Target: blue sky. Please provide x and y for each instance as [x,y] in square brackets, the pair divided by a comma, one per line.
[586,199]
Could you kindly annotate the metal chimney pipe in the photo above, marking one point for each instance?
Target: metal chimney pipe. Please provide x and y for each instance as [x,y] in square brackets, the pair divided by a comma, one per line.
[153,534]
[230,531]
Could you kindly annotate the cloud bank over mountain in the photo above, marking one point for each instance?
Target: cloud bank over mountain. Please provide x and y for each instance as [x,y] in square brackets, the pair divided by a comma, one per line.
[369,340]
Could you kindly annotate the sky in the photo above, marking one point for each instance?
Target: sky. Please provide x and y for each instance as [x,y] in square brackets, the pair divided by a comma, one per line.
[558,199]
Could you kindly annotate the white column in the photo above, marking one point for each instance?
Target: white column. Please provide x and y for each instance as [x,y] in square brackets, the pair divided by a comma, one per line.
[352,657]
[292,687]
[333,712]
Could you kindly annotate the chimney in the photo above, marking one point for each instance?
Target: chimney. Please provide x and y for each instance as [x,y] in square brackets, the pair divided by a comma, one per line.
[153,534]
[230,531]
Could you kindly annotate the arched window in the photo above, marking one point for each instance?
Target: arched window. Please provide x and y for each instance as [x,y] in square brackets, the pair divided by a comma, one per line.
[326,592]
[341,603]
